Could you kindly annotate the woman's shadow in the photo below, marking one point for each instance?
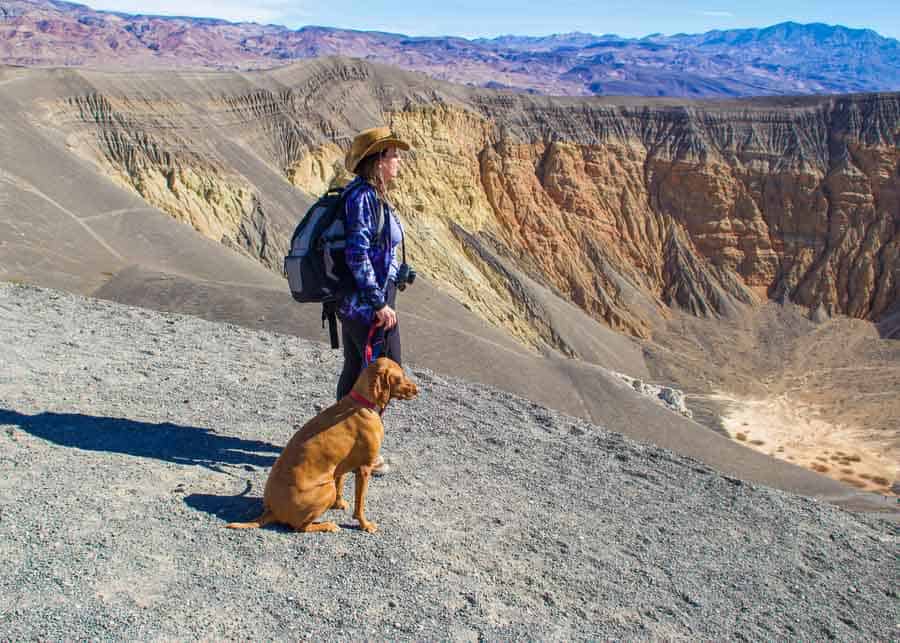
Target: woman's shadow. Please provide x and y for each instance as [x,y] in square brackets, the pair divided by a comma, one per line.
[186,445]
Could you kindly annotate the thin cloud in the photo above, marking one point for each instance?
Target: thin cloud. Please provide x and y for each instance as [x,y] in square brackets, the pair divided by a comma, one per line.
[715,13]
[265,11]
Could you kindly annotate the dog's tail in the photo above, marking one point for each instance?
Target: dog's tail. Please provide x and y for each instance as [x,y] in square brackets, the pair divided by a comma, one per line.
[262,521]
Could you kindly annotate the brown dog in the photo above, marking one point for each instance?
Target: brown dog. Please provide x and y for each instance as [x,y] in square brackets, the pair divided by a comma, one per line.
[308,477]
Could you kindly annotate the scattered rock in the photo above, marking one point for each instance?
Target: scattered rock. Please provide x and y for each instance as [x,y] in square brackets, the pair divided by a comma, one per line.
[672,398]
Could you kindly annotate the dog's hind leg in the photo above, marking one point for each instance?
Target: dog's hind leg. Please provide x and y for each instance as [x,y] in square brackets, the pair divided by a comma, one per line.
[311,505]
[313,527]
[262,521]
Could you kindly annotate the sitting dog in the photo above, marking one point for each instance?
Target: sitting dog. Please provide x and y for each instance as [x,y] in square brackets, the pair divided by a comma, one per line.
[308,477]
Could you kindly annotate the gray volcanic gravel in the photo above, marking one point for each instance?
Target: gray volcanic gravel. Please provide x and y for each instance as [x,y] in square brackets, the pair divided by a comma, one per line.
[128,438]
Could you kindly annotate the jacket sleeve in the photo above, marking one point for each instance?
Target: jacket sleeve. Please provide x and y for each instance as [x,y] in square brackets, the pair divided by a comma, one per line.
[359,213]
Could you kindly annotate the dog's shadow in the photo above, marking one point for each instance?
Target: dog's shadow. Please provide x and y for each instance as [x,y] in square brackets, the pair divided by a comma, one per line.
[188,445]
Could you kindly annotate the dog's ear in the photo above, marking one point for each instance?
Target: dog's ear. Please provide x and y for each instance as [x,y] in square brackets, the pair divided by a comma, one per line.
[381,386]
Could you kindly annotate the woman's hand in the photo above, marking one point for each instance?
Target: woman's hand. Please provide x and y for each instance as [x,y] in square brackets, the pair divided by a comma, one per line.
[386,317]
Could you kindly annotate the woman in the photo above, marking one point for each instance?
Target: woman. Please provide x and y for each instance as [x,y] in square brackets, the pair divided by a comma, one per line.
[373,234]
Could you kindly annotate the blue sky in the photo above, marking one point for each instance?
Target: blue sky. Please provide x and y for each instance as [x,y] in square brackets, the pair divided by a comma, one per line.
[473,18]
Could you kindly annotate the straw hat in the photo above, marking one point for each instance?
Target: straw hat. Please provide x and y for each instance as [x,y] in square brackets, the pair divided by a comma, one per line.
[370,141]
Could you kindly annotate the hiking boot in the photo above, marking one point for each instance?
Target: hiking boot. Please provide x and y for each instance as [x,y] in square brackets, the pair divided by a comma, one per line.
[380,467]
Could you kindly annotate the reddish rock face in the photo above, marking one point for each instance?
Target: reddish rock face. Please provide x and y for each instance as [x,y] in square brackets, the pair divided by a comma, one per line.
[704,207]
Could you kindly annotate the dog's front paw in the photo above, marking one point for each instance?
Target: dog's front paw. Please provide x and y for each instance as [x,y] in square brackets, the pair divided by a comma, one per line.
[341,504]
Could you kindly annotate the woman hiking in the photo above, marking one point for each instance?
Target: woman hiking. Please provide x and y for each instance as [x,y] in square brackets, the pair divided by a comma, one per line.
[373,231]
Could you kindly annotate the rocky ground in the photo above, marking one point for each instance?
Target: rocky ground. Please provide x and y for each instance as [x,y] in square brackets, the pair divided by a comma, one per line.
[128,438]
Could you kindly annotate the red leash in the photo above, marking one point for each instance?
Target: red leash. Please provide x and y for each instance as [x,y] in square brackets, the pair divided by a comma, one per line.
[367,354]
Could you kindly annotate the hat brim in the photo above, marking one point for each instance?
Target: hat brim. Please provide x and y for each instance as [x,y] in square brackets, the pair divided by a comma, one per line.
[378,146]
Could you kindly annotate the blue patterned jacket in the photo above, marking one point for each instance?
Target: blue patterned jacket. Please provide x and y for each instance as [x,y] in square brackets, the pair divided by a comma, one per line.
[373,262]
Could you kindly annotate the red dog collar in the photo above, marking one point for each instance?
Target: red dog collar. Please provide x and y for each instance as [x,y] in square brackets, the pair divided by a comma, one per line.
[356,397]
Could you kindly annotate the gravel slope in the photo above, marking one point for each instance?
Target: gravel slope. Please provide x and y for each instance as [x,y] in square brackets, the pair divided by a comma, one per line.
[128,438]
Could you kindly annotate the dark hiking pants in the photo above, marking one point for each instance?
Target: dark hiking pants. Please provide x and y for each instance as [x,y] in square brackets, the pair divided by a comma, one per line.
[354,335]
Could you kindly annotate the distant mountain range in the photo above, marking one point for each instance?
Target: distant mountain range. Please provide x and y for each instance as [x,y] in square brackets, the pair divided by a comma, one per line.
[787,58]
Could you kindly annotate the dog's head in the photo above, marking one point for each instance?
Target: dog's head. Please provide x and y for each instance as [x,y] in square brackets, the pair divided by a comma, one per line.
[384,380]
